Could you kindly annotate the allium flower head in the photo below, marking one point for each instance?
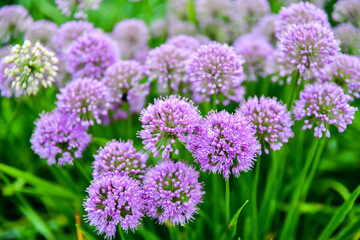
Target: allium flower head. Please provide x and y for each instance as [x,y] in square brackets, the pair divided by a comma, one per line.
[172,192]
[114,198]
[167,120]
[176,27]
[14,21]
[256,50]
[318,3]
[187,43]
[271,119]
[225,143]
[323,105]
[215,68]
[30,67]
[132,36]
[158,28]
[308,48]
[88,98]
[167,64]
[300,13]
[79,7]
[42,31]
[346,73]
[122,157]
[90,55]
[347,11]
[5,82]
[266,27]
[59,138]
[349,37]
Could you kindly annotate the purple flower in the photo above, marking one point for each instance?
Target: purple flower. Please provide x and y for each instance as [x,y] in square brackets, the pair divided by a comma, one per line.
[176,27]
[167,120]
[167,64]
[114,198]
[80,6]
[225,143]
[178,8]
[308,48]
[90,55]
[172,192]
[120,156]
[215,68]
[187,43]
[59,138]
[347,11]
[14,21]
[300,13]
[322,105]
[266,27]
[256,50]
[349,37]
[41,31]
[88,98]
[5,81]
[271,119]
[346,73]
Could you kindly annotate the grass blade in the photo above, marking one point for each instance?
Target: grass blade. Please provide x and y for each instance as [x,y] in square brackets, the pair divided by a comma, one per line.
[234,220]
[86,234]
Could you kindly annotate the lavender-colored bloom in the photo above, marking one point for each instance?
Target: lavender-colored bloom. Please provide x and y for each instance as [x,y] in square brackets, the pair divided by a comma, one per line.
[318,3]
[5,82]
[225,143]
[167,120]
[132,37]
[308,48]
[256,50]
[176,27]
[272,120]
[349,37]
[346,73]
[167,64]
[178,8]
[90,55]
[59,138]
[266,27]
[347,11]
[14,21]
[188,43]
[300,13]
[172,192]
[80,6]
[215,68]
[120,156]
[42,31]
[88,98]
[323,105]
[114,198]
[158,28]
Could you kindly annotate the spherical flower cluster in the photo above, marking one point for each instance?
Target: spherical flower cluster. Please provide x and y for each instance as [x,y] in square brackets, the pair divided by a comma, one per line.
[271,119]
[5,82]
[215,68]
[256,50]
[88,98]
[30,67]
[172,192]
[158,28]
[187,43]
[346,73]
[308,48]
[14,21]
[132,36]
[178,8]
[42,31]
[70,31]
[300,13]
[347,11]
[349,37]
[114,198]
[167,64]
[322,105]
[175,26]
[120,156]
[90,55]
[80,6]
[225,143]
[167,120]
[59,138]
[318,3]
[266,27]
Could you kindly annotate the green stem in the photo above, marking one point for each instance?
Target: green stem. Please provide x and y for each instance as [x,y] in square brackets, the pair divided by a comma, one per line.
[227,201]
[290,92]
[254,201]
[129,122]
[213,102]
[80,166]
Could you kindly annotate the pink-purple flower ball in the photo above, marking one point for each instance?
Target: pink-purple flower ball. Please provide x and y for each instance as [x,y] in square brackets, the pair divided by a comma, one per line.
[172,192]
[272,120]
[120,156]
[167,120]
[87,98]
[321,105]
[225,143]
[347,11]
[59,138]
[114,198]
[187,43]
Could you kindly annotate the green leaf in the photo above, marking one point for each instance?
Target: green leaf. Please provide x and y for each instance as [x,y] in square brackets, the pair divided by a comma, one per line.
[234,220]
[340,215]
[147,234]
[86,234]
